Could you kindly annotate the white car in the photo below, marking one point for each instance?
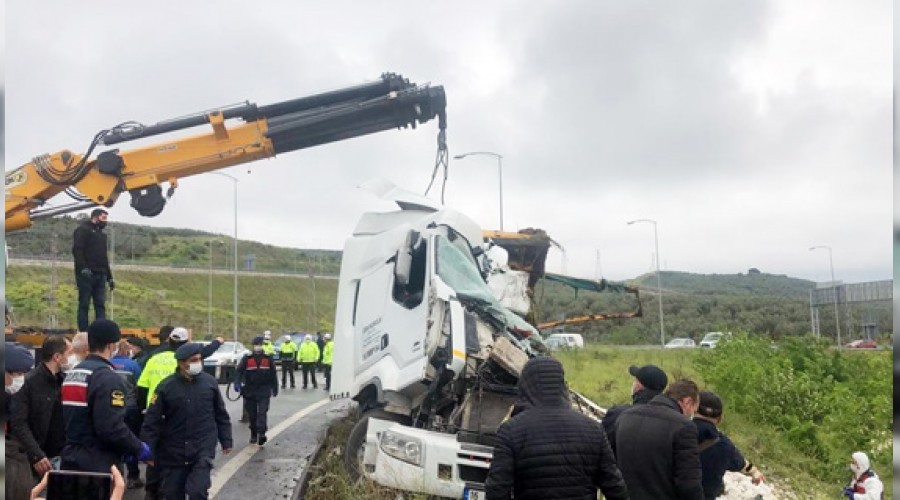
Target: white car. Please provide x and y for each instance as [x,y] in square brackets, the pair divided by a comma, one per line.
[558,341]
[228,354]
[711,339]
[680,343]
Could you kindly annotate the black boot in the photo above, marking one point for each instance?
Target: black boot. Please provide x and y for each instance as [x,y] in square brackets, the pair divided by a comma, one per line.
[262,440]
[253,439]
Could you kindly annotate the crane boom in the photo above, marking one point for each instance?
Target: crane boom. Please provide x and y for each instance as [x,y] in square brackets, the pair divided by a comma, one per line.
[390,102]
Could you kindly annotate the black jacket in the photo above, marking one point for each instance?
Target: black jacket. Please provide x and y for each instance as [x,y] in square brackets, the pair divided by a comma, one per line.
[186,420]
[89,249]
[141,392]
[717,458]
[657,452]
[257,374]
[642,396]
[34,409]
[547,450]
[96,434]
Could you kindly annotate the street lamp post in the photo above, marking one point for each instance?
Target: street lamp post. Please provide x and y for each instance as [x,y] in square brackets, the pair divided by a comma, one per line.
[834,289]
[662,328]
[209,306]
[234,179]
[499,159]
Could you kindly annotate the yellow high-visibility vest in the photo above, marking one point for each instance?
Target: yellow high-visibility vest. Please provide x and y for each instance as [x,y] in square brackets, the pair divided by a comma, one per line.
[309,352]
[158,367]
[328,353]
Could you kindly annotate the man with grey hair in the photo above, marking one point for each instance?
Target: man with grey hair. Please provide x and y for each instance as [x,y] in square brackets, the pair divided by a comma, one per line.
[80,346]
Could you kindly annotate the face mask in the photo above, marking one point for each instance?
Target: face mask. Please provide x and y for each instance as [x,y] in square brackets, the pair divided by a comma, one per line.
[17,383]
[69,363]
[195,368]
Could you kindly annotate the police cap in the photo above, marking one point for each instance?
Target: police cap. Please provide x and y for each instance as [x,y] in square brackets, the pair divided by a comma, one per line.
[18,359]
[103,331]
[187,350]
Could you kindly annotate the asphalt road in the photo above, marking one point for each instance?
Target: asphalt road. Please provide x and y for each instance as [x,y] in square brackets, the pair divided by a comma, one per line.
[298,419]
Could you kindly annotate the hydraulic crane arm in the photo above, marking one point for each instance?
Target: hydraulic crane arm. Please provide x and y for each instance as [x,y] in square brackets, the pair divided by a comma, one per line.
[391,102]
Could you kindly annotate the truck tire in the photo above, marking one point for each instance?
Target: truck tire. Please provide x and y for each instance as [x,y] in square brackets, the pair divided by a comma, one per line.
[356,443]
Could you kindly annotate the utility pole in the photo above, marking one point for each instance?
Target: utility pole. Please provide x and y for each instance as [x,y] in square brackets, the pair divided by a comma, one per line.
[53,319]
[312,278]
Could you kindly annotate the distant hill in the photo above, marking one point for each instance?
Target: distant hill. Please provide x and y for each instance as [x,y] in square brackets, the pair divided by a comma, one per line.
[755,283]
[137,244]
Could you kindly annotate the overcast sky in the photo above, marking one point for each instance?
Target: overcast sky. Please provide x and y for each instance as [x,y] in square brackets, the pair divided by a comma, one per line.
[750,131]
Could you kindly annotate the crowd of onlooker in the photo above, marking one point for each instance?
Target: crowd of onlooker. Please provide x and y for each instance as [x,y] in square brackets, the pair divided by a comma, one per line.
[665,445]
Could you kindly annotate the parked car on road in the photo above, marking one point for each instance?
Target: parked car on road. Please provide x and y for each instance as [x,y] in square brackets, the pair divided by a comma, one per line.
[862,344]
[680,343]
[711,339]
[228,354]
[557,341]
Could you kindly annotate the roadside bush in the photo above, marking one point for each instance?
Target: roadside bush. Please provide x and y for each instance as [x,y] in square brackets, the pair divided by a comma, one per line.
[827,403]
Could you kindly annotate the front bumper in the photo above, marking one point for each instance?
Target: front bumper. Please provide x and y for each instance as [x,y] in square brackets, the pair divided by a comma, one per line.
[448,466]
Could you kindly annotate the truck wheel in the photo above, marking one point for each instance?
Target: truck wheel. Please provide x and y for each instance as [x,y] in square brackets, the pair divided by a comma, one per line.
[356,443]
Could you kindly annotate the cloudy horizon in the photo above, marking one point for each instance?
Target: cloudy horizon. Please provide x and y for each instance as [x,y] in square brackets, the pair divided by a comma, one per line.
[749,132]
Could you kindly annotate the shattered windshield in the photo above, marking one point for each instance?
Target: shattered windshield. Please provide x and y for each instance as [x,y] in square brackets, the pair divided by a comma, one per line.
[457,270]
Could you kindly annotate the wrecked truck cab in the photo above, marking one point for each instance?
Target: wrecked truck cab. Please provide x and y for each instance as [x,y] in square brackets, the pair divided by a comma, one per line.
[425,349]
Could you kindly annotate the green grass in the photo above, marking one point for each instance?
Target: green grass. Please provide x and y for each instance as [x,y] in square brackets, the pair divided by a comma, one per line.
[601,374]
[148,299]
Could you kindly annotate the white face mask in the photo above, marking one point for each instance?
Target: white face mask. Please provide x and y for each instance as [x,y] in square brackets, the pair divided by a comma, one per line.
[195,368]
[67,364]
[17,383]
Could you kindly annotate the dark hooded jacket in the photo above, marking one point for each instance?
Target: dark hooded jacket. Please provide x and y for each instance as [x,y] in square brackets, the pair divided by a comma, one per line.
[658,453]
[720,456]
[641,397]
[547,450]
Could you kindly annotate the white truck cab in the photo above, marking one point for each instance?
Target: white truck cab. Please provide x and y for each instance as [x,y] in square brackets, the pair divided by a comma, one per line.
[425,348]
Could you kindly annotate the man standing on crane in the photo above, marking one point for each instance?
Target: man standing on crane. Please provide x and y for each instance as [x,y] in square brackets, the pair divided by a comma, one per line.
[92,272]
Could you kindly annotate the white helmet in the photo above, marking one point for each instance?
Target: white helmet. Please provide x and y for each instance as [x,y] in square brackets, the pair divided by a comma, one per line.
[327,336]
[308,337]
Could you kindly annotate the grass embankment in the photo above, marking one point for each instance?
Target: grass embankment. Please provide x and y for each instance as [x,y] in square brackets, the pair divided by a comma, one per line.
[147,299]
[800,450]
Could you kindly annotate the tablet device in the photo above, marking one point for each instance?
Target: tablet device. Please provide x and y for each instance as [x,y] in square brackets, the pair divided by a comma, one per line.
[78,485]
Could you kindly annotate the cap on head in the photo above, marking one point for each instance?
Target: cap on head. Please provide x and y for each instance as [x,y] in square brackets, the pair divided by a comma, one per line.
[103,331]
[710,404]
[650,376]
[327,336]
[179,334]
[257,340]
[17,359]
[187,350]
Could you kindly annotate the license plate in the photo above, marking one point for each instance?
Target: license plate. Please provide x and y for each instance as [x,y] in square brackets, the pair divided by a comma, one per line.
[470,494]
